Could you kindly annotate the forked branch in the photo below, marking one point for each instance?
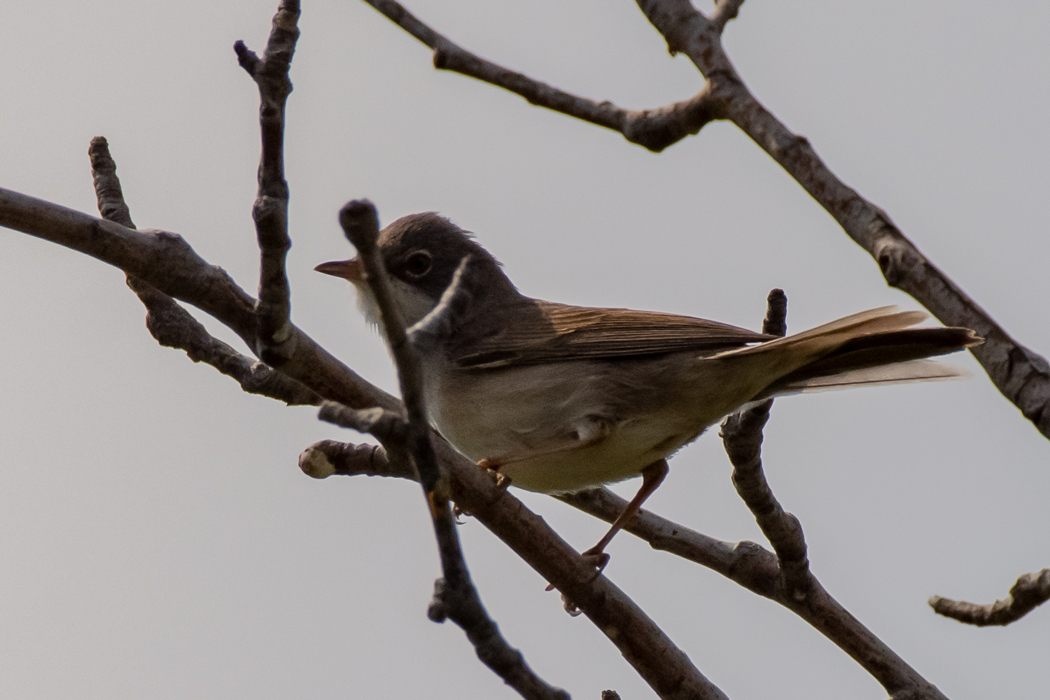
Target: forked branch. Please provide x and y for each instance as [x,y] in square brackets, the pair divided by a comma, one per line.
[655,129]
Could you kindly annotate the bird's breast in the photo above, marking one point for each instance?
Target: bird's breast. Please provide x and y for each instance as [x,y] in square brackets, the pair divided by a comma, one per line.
[544,411]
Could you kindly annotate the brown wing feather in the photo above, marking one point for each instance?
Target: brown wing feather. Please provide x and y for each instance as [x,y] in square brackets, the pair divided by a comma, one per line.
[548,332]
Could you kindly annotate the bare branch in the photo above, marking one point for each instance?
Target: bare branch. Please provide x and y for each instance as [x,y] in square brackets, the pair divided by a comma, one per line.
[108,193]
[170,324]
[328,457]
[174,327]
[1030,591]
[276,337]
[386,426]
[742,435]
[455,596]
[745,563]
[758,570]
[1020,374]
[725,10]
[168,263]
[655,129]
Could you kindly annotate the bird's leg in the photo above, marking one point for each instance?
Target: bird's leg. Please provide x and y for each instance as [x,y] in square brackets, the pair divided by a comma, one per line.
[652,477]
[588,433]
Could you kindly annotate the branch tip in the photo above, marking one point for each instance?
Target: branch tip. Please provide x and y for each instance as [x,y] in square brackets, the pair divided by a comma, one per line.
[1029,592]
[360,222]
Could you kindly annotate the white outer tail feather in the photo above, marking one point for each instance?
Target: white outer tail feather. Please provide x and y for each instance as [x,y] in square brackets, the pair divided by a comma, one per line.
[900,373]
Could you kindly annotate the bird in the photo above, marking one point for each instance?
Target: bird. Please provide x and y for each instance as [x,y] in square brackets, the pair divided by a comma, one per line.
[559,398]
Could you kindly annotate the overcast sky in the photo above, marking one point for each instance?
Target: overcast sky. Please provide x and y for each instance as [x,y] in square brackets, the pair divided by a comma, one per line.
[157,539]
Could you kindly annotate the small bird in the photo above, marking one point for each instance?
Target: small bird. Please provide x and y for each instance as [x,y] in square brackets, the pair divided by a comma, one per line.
[562,398]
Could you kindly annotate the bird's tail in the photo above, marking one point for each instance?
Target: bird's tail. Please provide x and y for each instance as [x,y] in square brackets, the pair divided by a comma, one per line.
[870,348]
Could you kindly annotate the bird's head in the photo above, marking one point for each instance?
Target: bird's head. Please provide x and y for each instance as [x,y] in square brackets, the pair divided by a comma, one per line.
[421,253]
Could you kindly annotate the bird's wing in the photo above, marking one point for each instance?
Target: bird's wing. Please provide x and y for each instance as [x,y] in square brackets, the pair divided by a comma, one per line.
[546,332]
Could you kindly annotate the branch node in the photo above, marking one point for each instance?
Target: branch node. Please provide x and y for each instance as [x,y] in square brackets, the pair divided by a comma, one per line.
[360,223]
[437,611]
[246,58]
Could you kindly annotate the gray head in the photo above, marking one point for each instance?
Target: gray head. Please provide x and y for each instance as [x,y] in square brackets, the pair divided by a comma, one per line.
[421,253]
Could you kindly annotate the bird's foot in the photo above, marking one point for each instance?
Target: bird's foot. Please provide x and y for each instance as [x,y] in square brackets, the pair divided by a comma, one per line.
[596,558]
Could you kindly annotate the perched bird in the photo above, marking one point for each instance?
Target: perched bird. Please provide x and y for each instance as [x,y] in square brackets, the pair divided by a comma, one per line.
[563,398]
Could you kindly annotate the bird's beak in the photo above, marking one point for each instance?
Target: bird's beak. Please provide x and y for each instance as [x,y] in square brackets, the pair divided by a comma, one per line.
[347,269]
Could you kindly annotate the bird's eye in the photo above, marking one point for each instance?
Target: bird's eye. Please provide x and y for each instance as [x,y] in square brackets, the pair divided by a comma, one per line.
[418,263]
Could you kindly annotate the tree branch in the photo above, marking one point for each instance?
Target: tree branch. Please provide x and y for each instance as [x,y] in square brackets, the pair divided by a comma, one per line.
[742,436]
[275,337]
[166,261]
[745,563]
[655,129]
[1030,591]
[658,661]
[170,324]
[725,10]
[1020,374]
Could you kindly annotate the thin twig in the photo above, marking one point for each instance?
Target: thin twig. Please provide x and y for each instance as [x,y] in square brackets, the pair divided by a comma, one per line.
[1030,591]
[742,436]
[329,457]
[655,129]
[276,337]
[386,426]
[455,596]
[170,324]
[108,193]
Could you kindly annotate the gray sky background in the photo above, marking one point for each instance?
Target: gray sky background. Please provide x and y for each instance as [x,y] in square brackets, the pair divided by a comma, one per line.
[157,539]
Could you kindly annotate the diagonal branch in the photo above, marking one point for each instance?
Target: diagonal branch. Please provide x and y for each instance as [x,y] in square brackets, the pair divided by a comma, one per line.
[758,570]
[172,326]
[166,261]
[655,129]
[1030,591]
[745,563]
[795,584]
